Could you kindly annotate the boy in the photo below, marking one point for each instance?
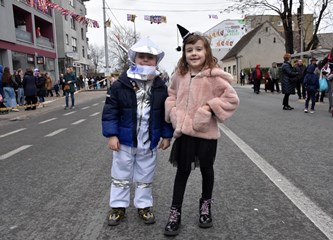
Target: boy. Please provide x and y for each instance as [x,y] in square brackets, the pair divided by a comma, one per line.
[133,120]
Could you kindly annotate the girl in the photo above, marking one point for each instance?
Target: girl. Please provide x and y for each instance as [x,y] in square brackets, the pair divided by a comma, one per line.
[200,96]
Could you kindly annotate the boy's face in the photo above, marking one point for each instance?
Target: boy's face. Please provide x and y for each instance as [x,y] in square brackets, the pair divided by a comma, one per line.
[145,59]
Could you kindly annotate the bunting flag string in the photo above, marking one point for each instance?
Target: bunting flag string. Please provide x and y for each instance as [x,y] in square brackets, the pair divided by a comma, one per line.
[155,19]
[214,16]
[44,5]
[131,17]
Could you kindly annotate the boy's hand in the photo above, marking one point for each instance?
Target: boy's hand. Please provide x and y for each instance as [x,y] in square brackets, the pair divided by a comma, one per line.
[165,143]
[114,143]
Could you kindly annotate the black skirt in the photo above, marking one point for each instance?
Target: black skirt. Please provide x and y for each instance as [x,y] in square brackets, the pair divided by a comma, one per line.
[189,152]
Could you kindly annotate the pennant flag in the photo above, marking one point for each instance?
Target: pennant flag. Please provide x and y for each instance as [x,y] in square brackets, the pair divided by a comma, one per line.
[131,17]
[155,19]
[108,23]
[213,16]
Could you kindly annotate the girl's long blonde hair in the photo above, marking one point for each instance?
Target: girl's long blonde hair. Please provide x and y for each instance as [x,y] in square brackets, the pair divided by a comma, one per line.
[210,61]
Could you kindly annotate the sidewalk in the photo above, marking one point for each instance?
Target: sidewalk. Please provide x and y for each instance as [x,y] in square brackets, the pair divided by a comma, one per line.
[51,103]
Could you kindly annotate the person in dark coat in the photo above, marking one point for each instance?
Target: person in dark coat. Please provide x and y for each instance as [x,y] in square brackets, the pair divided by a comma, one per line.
[288,82]
[257,75]
[311,83]
[300,68]
[30,89]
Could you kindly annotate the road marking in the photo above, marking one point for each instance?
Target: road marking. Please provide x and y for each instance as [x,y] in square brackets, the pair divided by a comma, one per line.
[48,120]
[94,114]
[85,107]
[79,121]
[55,132]
[300,200]
[11,153]
[10,133]
[95,104]
[69,113]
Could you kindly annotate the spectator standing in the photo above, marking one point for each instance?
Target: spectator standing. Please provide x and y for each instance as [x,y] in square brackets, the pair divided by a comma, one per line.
[242,78]
[41,86]
[311,83]
[256,77]
[20,90]
[30,89]
[300,68]
[288,82]
[1,87]
[69,87]
[8,88]
[49,85]
[274,74]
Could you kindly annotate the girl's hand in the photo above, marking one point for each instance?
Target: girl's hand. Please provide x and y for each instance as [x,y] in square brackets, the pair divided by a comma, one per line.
[207,108]
[114,143]
[165,143]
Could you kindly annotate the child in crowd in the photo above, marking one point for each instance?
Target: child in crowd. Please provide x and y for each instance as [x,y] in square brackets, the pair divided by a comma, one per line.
[311,84]
[133,121]
[200,96]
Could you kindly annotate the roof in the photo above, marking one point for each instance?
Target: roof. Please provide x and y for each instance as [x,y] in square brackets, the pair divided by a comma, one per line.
[325,40]
[244,41]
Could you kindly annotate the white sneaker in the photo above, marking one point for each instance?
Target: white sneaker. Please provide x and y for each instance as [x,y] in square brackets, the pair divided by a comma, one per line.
[15,110]
[306,110]
[312,111]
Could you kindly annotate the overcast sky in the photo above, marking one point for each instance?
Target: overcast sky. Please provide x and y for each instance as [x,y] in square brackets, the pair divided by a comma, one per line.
[191,14]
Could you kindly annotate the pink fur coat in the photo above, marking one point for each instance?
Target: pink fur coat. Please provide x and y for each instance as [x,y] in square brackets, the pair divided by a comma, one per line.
[184,105]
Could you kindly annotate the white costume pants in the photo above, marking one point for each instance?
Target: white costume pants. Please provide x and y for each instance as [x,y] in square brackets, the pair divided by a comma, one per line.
[132,165]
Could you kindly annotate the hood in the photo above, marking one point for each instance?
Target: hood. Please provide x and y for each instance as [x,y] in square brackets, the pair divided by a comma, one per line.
[311,68]
[145,45]
[257,66]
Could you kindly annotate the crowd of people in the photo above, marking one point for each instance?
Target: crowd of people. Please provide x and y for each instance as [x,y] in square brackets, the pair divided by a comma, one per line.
[312,82]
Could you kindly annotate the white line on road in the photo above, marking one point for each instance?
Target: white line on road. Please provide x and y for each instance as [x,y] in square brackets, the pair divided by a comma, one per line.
[85,107]
[94,114]
[55,132]
[79,121]
[69,113]
[48,120]
[11,153]
[95,104]
[300,200]
[10,133]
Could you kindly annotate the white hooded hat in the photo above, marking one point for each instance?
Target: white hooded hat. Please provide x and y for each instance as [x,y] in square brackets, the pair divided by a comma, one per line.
[145,45]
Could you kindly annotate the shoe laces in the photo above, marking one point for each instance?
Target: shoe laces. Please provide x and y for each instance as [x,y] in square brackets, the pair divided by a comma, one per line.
[174,213]
[205,207]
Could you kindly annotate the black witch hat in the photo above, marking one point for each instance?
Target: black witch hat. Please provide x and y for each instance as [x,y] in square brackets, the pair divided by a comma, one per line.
[184,33]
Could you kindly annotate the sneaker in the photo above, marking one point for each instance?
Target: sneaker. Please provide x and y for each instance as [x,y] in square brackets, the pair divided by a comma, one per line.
[15,110]
[146,215]
[115,216]
[72,107]
[66,108]
[306,110]
[312,111]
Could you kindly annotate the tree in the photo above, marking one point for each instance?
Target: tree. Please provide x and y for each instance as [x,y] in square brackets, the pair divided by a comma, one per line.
[119,41]
[96,55]
[284,9]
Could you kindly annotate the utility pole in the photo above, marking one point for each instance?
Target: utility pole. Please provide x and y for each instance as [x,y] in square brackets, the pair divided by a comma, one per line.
[106,47]
[301,26]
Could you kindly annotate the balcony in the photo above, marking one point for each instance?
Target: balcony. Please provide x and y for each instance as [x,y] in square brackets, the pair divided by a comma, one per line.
[23,36]
[45,42]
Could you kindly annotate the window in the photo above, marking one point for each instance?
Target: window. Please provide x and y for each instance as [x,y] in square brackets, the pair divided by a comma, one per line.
[2,2]
[82,34]
[225,69]
[66,18]
[72,23]
[274,40]
[234,70]
[229,69]
[259,40]
[83,52]
[74,44]
[66,39]
[266,29]
[71,2]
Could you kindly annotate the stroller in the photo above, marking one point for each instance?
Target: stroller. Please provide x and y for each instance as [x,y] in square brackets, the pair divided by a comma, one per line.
[3,108]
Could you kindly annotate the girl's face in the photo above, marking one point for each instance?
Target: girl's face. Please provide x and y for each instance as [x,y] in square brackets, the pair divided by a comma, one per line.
[145,59]
[195,55]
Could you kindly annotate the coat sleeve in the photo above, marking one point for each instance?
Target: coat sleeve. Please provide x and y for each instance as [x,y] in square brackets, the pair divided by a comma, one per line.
[170,102]
[224,105]
[110,114]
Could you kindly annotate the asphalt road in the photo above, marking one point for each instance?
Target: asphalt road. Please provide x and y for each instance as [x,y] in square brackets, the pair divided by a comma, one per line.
[273,175]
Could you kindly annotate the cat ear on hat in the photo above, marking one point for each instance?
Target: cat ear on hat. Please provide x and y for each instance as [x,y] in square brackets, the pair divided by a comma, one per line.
[184,33]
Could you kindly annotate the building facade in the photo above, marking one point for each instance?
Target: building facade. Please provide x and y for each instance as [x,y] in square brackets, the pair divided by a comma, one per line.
[72,41]
[27,37]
